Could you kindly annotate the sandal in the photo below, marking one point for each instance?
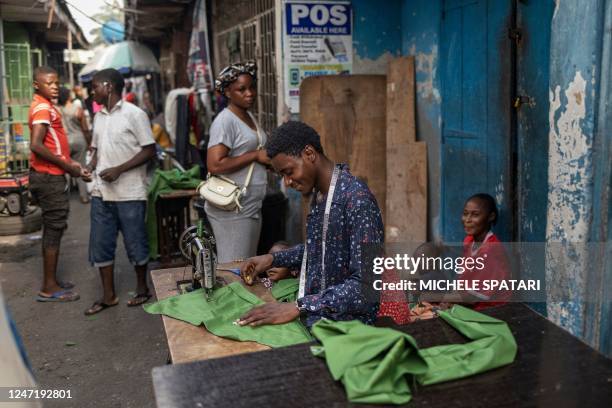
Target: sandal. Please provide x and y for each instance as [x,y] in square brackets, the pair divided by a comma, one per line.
[99,306]
[139,299]
[59,296]
[65,284]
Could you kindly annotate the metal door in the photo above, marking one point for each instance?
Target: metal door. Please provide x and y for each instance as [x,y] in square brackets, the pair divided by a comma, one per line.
[476,61]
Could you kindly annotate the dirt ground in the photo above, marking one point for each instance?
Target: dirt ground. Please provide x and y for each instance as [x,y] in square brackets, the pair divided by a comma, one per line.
[105,359]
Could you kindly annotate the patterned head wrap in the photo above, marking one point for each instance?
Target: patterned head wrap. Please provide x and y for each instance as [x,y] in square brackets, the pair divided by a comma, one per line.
[231,73]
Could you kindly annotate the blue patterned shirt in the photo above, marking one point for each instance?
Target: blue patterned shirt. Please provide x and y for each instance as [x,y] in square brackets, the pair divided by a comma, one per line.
[354,220]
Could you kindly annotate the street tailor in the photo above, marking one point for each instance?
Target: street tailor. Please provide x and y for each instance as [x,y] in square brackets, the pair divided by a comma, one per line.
[344,217]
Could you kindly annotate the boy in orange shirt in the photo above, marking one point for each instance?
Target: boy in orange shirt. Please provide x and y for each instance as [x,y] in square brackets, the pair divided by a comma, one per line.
[49,162]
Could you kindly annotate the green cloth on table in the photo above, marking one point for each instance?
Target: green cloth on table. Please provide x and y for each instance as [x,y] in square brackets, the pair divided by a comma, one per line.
[225,306]
[286,290]
[165,181]
[376,364]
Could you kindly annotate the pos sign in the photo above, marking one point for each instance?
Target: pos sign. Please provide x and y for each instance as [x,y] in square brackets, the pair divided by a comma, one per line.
[318,18]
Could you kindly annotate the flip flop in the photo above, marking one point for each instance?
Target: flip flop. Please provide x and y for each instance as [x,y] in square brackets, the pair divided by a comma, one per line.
[65,284]
[138,300]
[99,306]
[59,296]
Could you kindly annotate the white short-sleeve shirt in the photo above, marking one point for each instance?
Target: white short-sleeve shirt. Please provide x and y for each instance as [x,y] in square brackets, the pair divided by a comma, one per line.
[118,136]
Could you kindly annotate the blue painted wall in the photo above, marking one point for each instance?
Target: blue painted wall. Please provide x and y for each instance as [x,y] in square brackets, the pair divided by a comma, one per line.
[575,76]
[563,137]
[533,74]
[377,30]
[421,38]
[601,227]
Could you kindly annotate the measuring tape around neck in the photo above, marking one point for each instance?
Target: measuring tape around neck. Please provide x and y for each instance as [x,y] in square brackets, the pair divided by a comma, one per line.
[328,202]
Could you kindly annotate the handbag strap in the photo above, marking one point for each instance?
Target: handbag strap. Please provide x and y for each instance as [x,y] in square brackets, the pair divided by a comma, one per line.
[259,146]
[328,202]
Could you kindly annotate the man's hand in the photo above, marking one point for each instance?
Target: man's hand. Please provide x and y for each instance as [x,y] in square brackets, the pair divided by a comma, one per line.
[270,313]
[74,169]
[86,174]
[111,174]
[252,267]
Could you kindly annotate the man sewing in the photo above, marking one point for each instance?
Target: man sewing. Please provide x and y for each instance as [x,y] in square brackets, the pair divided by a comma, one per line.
[331,281]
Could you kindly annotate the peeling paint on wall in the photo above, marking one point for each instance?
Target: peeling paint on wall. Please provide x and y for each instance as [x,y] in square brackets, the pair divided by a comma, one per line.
[370,66]
[426,64]
[569,164]
[499,191]
[569,175]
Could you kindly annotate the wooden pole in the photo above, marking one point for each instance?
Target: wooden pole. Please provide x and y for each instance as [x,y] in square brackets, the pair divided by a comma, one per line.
[50,17]
[70,68]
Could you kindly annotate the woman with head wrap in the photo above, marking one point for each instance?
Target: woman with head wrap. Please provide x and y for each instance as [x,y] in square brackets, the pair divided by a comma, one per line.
[233,146]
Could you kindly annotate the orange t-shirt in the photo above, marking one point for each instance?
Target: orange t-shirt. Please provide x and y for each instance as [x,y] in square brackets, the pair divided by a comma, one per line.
[43,111]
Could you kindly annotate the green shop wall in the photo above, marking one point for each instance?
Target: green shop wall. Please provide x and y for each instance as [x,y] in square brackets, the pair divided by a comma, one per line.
[18,64]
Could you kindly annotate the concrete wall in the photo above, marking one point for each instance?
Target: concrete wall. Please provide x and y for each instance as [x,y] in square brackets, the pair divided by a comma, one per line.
[421,38]
[406,27]
[377,35]
[577,42]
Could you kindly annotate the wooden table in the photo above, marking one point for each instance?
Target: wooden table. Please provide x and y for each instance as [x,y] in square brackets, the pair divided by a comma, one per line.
[552,369]
[190,343]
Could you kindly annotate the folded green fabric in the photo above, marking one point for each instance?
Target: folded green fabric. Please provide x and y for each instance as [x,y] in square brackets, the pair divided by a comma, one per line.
[164,181]
[375,365]
[286,290]
[225,306]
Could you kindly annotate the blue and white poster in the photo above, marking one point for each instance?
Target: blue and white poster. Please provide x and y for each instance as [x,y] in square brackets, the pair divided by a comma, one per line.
[317,40]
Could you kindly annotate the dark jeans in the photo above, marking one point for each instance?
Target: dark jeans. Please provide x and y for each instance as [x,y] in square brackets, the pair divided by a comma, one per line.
[110,217]
[50,192]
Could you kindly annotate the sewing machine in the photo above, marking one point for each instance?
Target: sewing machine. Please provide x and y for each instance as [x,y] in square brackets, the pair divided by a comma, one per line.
[198,246]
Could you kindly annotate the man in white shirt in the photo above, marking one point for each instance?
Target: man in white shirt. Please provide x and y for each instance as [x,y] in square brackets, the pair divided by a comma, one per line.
[123,144]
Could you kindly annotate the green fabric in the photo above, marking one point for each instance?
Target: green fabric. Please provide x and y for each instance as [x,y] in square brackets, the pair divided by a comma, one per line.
[225,306]
[165,181]
[375,364]
[286,290]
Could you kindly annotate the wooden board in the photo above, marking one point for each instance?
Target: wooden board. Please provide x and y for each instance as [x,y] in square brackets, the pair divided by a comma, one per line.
[400,102]
[191,343]
[348,111]
[406,159]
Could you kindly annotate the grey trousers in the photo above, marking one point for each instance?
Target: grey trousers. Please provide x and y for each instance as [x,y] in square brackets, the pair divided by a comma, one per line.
[236,238]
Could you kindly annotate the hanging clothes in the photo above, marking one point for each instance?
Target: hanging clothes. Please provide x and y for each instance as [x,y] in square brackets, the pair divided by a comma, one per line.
[375,364]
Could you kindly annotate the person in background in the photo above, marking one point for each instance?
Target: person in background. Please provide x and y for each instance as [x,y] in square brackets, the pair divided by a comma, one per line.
[79,138]
[122,144]
[276,274]
[481,244]
[233,146]
[129,95]
[49,162]
[77,96]
[147,105]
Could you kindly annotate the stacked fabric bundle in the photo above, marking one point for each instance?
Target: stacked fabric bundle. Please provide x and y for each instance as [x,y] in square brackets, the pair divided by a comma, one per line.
[375,365]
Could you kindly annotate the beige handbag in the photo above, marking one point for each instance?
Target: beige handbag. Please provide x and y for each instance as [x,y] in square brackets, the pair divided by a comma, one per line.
[223,192]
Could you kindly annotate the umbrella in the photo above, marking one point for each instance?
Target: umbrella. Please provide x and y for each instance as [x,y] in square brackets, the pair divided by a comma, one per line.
[128,57]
